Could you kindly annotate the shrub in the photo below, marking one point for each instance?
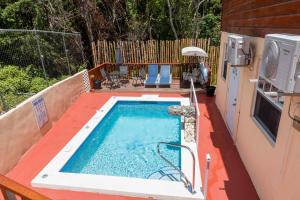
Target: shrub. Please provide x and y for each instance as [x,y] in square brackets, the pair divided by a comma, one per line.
[38,84]
[13,80]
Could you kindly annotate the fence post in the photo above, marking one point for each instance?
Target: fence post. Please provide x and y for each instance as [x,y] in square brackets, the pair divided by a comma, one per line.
[41,55]
[205,185]
[81,48]
[66,52]
[94,52]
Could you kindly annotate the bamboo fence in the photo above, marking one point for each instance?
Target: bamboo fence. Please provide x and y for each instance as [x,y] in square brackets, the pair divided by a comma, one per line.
[156,51]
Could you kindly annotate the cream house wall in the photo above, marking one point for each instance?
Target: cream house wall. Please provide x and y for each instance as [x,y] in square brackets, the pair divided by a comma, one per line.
[222,89]
[273,167]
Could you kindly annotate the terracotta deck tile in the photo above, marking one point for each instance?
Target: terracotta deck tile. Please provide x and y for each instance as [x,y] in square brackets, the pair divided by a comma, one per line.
[228,176]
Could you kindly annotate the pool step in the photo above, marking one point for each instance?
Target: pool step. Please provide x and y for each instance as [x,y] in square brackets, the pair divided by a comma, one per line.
[166,173]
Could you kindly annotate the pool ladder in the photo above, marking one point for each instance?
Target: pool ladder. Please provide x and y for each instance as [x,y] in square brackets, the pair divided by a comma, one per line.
[190,186]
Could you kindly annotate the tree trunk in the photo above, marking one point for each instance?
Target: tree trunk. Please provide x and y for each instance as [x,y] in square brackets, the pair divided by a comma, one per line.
[86,12]
[171,20]
[195,18]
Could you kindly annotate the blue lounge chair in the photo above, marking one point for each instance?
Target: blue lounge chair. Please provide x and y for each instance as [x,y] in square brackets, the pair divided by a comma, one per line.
[152,75]
[165,76]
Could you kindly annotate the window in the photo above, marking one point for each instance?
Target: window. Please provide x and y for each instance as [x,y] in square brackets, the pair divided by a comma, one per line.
[225,63]
[224,73]
[267,110]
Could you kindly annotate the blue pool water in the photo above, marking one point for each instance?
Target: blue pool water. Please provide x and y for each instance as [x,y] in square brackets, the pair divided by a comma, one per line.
[124,142]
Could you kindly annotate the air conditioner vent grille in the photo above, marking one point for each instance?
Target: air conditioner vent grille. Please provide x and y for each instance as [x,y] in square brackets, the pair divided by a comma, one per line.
[270,59]
[279,62]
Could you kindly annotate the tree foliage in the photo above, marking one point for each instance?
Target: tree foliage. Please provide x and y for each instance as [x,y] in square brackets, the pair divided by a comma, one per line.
[210,28]
[94,19]
[113,19]
[16,83]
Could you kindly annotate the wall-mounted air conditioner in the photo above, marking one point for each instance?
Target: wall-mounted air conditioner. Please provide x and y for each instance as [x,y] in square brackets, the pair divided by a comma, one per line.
[239,50]
[280,62]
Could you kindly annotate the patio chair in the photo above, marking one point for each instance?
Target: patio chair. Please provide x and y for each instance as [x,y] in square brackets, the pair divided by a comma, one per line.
[194,75]
[152,75]
[165,76]
[142,74]
[123,71]
[140,77]
[103,74]
[111,80]
[124,74]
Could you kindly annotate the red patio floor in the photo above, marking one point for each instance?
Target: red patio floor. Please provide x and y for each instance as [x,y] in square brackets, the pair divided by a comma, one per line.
[228,177]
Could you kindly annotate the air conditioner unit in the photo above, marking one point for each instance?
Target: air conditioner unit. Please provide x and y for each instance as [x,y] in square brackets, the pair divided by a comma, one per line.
[280,62]
[238,50]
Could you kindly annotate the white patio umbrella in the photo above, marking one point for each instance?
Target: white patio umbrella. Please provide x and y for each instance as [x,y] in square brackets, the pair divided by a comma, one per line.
[203,76]
[193,51]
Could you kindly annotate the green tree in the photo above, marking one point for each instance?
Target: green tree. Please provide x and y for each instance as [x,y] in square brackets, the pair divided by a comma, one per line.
[21,14]
[210,28]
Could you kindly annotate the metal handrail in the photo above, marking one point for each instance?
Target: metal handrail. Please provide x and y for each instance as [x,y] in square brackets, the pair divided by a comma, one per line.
[190,186]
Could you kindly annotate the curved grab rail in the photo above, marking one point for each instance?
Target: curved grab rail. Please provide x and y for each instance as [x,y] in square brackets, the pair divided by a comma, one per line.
[190,186]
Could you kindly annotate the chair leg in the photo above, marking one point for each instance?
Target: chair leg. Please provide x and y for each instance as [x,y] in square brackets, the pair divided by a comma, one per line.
[110,85]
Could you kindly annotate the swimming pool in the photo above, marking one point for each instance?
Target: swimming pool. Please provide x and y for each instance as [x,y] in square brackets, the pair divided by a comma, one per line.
[129,134]
[115,152]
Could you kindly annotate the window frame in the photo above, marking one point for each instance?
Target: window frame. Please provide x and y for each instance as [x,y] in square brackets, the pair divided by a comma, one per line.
[259,124]
[225,59]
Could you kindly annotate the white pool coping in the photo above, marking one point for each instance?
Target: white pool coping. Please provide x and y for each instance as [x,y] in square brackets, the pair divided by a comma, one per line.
[51,177]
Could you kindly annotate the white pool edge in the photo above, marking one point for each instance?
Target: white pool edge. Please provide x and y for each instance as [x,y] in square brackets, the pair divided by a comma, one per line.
[50,177]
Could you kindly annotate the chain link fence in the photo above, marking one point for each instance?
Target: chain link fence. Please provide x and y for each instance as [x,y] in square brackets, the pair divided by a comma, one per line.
[31,60]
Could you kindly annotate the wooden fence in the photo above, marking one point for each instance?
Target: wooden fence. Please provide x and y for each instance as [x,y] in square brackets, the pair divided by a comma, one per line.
[13,190]
[155,51]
